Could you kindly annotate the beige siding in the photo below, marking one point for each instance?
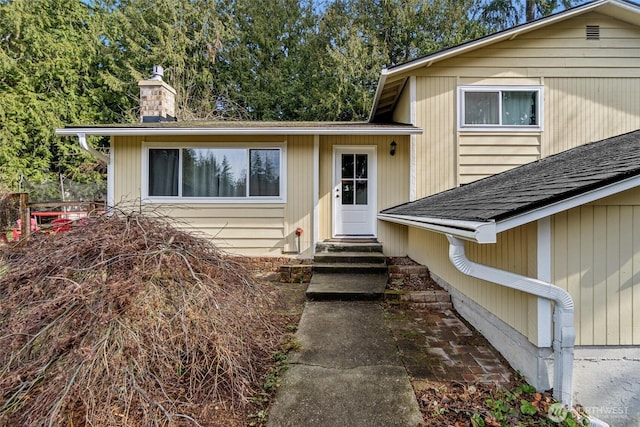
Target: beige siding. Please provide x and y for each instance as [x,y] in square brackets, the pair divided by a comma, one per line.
[269,229]
[589,109]
[596,258]
[127,167]
[515,251]
[299,208]
[245,228]
[596,252]
[436,151]
[402,112]
[559,50]
[591,91]
[482,155]
[392,184]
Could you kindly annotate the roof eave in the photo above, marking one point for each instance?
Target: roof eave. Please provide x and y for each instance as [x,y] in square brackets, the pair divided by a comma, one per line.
[500,36]
[148,131]
[566,204]
[487,231]
[475,231]
[379,90]
[490,39]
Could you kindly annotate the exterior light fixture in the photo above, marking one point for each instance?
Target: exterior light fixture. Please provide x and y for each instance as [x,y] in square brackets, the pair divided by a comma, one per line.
[392,150]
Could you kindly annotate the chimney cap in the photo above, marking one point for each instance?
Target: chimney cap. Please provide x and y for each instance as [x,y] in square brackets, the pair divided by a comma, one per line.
[157,72]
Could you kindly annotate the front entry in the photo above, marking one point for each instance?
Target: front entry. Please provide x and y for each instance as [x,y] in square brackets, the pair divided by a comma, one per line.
[354,191]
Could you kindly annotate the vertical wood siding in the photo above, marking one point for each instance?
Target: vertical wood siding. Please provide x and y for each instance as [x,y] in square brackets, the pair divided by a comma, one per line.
[591,91]
[581,110]
[269,229]
[596,252]
[298,212]
[392,184]
[127,169]
[436,150]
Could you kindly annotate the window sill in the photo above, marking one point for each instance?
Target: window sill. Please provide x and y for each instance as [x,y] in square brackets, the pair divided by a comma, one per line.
[210,201]
[500,130]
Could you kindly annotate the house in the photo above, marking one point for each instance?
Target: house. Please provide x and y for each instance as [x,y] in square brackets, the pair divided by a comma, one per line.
[442,122]
[571,219]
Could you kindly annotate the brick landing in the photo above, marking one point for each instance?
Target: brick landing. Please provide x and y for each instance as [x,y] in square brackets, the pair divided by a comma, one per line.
[436,345]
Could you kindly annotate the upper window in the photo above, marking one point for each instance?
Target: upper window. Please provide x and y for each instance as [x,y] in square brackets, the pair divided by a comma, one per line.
[210,174]
[500,108]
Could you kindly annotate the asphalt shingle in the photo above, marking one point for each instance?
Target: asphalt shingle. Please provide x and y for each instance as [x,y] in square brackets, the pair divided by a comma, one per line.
[534,185]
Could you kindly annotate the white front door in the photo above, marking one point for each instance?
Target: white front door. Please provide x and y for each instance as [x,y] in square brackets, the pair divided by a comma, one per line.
[354,191]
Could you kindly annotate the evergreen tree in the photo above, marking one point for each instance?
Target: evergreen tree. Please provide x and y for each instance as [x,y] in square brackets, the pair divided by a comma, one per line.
[48,77]
[498,15]
[184,37]
[79,61]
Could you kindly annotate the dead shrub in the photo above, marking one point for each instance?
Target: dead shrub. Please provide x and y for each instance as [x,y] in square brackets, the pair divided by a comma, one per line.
[126,320]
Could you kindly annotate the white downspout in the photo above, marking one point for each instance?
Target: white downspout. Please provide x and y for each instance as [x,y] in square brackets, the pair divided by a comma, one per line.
[82,140]
[564,332]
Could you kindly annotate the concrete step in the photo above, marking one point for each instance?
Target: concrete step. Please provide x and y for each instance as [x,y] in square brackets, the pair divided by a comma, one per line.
[350,257]
[349,268]
[328,246]
[346,287]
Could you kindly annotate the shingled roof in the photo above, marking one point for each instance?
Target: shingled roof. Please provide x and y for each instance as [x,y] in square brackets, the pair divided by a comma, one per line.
[535,185]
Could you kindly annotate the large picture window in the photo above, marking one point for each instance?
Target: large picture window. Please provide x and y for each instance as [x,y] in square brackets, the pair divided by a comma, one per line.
[214,173]
[500,108]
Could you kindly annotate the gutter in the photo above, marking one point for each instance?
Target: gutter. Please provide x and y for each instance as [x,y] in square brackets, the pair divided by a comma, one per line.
[189,131]
[564,332]
[476,231]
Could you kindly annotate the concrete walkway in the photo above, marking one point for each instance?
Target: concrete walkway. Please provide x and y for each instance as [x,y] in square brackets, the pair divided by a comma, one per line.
[347,373]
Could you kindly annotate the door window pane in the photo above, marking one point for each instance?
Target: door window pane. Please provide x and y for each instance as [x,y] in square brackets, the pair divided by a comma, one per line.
[361,192]
[347,166]
[361,166]
[347,192]
[163,172]
[481,108]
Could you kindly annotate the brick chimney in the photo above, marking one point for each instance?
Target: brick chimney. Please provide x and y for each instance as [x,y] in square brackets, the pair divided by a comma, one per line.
[157,99]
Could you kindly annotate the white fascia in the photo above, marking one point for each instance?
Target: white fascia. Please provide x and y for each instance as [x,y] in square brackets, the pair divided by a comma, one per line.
[475,231]
[187,131]
[487,231]
[381,81]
